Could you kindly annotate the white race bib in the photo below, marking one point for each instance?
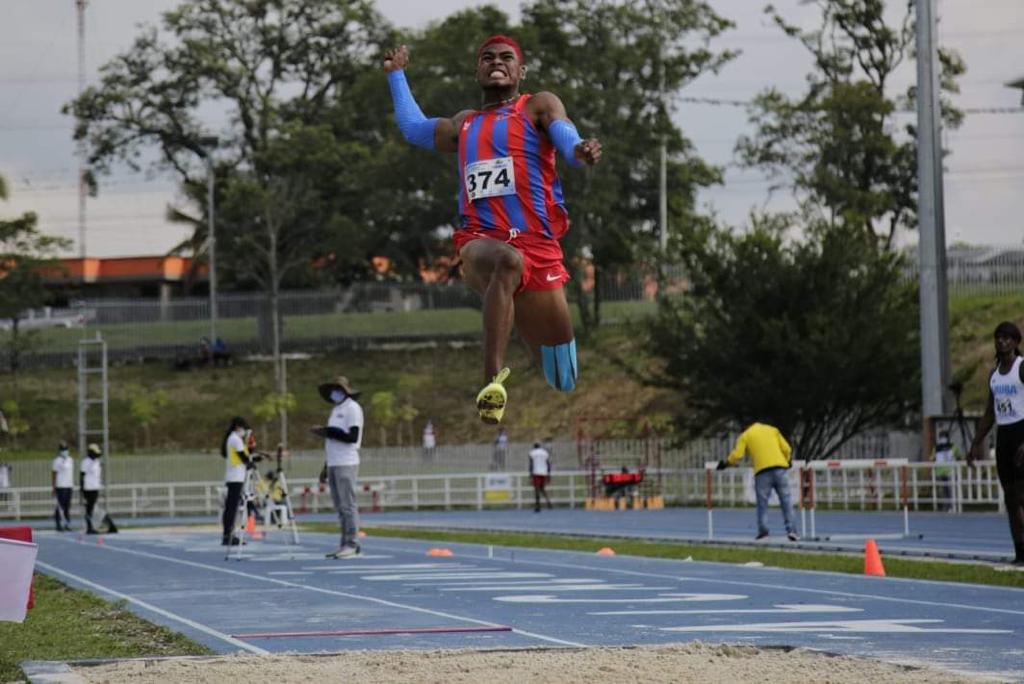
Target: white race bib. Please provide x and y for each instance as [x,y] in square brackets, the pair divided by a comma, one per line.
[490,178]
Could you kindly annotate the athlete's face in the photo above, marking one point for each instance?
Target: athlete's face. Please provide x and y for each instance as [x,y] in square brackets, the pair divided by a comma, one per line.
[1005,344]
[499,66]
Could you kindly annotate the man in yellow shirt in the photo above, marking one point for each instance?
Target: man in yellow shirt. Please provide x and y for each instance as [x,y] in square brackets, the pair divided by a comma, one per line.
[772,456]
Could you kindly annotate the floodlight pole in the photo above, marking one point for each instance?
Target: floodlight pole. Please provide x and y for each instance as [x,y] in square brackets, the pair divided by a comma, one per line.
[209,145]
[935,369]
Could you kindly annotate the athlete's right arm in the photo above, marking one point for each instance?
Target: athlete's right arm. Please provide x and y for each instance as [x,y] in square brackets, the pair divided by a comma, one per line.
[432,134]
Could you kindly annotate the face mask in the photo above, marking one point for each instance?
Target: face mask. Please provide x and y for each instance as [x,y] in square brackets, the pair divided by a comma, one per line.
[337,396]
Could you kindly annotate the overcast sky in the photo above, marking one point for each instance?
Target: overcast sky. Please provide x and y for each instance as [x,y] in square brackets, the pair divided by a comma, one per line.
[984,178]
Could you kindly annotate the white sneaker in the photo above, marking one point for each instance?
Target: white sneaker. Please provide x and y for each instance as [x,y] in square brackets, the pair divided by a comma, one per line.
[346,552]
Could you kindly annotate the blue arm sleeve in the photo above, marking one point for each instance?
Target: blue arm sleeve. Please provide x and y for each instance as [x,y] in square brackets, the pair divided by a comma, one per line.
[565,138]
[417,128]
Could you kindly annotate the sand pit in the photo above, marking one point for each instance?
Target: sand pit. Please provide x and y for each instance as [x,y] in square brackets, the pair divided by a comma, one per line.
[693,662]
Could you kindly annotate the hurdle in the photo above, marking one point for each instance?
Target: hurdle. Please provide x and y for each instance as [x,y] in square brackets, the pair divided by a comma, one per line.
[870,487]
[866,482]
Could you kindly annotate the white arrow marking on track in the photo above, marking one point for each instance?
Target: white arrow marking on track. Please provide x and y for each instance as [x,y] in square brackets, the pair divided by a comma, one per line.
[456,575]
[779,608]
[868,626]
[664,598]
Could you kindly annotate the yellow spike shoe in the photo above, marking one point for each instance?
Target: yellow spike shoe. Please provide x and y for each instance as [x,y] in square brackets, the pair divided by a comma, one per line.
[491,400]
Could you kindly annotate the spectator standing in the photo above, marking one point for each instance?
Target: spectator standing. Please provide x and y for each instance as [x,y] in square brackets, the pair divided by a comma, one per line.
[236,454]
[90,480]
[343,435]
[429,441]
[946,454]
[540,474]
[1005,408]
[5,480]
[500,450]
[62,478]
[772,457]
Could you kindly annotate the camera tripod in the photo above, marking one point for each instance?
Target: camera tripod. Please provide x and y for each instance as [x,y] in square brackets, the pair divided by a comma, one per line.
[257,494]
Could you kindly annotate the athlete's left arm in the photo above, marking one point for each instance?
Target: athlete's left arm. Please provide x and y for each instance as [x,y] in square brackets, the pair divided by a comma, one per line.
[549,114]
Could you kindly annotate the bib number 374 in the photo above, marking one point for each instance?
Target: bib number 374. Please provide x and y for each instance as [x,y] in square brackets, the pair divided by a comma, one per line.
[490,178]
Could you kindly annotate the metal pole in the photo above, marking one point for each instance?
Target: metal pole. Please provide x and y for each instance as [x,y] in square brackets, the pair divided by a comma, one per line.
[662,175]
[212,237]
[83,191]
[935,370]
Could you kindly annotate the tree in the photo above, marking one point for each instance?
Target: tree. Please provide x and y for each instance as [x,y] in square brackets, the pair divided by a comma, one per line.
[816,337]
[638,56]
[26,256]
[145,405]
[16,424]
[614,93]
[841,146]
[275,67]
[383,408]
[273,405]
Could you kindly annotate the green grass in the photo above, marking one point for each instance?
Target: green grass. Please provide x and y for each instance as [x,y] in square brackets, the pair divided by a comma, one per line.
[438,383]
[69,624]
[797,560]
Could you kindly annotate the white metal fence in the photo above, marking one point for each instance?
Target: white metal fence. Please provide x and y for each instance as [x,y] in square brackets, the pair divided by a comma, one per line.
[966,489]
[668,453]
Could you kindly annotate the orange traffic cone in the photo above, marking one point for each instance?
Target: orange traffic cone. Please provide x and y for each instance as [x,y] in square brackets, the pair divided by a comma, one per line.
[873,560]
[605,551]
[250,528]
[440,552]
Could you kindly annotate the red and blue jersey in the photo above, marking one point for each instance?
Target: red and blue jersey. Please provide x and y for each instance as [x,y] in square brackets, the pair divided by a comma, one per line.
[507,179]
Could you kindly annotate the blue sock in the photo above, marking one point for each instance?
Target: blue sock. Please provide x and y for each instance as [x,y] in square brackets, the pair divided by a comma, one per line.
[560,368]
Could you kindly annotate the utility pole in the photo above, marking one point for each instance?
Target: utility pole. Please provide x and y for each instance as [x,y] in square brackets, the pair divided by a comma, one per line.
[83,190]
[935,367]
[663,166]
[209,144]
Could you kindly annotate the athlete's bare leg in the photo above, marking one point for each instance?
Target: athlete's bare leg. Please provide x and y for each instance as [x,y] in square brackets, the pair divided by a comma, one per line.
[494,269]
[542,318]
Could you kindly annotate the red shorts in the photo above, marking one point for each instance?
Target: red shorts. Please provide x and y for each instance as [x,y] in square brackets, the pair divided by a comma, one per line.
[539,481]
[542,257]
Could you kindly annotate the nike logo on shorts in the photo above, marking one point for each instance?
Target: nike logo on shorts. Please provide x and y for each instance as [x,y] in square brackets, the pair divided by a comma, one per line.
[551,277]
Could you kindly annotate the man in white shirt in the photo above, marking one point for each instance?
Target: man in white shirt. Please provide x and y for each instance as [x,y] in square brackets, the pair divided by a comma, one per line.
[540,474]
[62,477]
[343,435]
[90,480]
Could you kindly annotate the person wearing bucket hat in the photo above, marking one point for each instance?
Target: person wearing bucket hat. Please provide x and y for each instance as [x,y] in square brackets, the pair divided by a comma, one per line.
[90,480]
[1005,409]
[343,435]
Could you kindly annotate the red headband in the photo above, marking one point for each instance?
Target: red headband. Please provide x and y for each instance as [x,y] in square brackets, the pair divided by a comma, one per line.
[499,38]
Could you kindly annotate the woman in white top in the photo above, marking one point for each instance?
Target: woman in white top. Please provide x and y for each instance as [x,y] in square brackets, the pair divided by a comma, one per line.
[237,461]
[90,480]
[1005,408]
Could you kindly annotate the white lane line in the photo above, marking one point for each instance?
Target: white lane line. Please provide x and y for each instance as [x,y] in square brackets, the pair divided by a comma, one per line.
[576,567]
[332,592]
[779,608]
[159,611]
[289,572]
